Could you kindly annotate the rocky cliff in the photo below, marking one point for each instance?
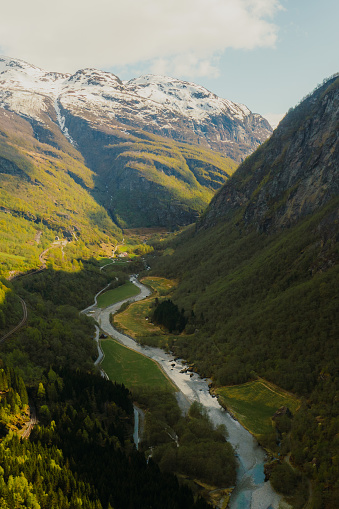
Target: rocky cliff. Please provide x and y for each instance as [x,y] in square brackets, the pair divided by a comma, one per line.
[294,173]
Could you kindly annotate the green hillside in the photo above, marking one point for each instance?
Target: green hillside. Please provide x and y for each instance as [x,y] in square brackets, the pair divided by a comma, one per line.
[148,180]
[45,193]
[259,288]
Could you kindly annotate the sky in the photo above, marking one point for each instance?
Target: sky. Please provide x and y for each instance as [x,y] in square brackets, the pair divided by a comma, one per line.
[266,54]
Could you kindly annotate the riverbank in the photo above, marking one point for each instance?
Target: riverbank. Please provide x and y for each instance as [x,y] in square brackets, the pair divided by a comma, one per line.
[251,490]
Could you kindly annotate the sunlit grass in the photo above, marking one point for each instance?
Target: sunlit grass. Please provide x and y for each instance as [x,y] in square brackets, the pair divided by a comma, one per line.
[12,256]
[104,261]
[136,319]
[131,368]
[255,403]
[160,285]
[117,294]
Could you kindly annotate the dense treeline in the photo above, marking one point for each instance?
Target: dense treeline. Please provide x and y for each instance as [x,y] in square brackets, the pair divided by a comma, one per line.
[266,305]
[90,420]
[38,477]
[188,445]
[62,288]
[167,313]
[13,401]
[53,335]
[10,307]
[55,332]
[276,290]
[81,453]
[196,449]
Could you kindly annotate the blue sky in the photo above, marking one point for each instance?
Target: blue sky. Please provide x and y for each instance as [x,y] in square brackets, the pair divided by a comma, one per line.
[266,54]
[271,80]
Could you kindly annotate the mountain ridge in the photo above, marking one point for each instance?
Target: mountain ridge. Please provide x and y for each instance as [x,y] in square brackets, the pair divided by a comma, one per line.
[258,281]
[168,105]
[152,159]
[293,173]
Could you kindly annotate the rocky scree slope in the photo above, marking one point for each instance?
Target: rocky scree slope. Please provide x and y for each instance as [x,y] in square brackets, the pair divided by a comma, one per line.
[291,175]
[107,120]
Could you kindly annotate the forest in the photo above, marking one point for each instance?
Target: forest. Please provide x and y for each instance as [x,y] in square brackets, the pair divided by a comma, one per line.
[261,305]
[81,453]
[256,299]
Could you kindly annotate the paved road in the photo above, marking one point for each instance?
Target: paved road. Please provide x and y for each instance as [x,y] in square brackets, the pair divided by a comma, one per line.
[21,324]
[32,422]
[251,491]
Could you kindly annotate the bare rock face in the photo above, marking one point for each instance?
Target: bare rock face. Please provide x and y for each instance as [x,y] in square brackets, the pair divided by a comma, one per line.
[294,173]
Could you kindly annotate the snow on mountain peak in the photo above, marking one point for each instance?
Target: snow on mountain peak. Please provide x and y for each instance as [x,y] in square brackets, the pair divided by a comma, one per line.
[184,97]
[93,86]
[15,73]
[160,104]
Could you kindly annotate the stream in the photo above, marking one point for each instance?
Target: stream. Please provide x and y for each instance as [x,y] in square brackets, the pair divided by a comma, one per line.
[251,492]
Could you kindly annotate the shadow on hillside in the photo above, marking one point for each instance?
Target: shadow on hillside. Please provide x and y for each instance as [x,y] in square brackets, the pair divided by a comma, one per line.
[55,332]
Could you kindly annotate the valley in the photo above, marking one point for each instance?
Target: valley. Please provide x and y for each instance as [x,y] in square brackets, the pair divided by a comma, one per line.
[240,253]
[193,389]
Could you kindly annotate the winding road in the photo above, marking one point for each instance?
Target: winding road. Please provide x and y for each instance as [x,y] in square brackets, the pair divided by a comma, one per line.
[31,423]
[251,491]
[21,324]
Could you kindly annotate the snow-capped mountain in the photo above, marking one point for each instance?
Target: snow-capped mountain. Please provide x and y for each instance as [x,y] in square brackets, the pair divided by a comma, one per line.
[159,147]
[161,105]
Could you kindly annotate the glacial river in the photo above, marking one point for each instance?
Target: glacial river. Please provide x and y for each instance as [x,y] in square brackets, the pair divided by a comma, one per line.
[251,492]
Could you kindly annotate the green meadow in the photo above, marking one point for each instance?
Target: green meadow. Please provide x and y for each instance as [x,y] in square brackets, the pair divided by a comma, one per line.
[254,404]
[131,368]
[12,256]
[104,261]
[136,319]
[117,294]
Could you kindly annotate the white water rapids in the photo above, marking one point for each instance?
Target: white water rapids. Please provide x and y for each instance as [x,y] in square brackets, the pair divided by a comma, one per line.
[251,492]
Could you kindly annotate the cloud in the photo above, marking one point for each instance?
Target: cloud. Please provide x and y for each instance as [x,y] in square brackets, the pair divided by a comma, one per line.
[70,34]
[188,64]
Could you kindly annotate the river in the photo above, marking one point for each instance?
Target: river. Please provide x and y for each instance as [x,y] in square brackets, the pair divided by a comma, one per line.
[251,492]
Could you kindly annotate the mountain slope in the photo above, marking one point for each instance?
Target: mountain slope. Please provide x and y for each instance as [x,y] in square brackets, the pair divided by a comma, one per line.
[157,104]
[149,140]
[44,192]
[294,173]
[261,296]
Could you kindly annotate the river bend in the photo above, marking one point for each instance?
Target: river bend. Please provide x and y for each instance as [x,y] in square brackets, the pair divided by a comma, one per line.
[251,492]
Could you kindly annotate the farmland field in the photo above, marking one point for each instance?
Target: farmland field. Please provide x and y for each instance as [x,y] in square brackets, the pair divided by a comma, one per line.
[112,296]
[131,368]
[254,404]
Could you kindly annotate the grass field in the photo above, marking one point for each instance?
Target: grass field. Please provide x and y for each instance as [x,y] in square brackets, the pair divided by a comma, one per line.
[114,261]
[159,285]
[133,319]
[112,296]
[12,256]
[254,403]
[104,261]
[131,368]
